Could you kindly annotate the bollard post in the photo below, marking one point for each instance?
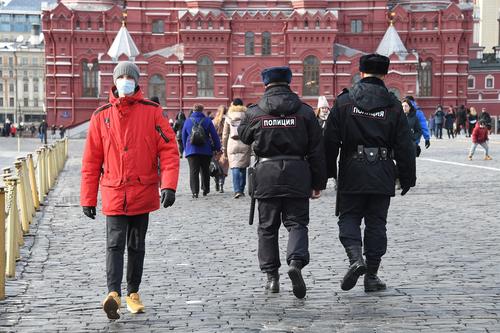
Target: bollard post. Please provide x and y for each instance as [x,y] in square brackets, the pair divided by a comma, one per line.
[39,173]
[11,239]
[44,172]
[2,243]
[23,205]
[34,187]
[27,188]
[66,146]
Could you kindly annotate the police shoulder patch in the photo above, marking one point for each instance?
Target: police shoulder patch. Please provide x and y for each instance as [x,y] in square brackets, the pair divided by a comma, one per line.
[102,108]
[283,122]
[148,102]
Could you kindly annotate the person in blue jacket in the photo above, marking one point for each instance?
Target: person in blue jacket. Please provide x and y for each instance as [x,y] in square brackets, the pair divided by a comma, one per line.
[423,125]
[199,154]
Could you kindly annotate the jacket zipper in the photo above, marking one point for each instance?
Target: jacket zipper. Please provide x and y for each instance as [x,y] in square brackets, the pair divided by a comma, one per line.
[125,202]
[158,128]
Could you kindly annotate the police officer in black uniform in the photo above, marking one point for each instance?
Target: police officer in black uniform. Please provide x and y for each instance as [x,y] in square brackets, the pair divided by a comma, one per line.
[368,125]
[290,169]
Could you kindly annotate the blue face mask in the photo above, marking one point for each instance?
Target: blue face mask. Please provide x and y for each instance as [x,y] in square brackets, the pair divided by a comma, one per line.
[125,86]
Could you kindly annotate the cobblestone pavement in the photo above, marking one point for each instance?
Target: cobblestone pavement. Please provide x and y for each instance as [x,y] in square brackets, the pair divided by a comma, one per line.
[201,272]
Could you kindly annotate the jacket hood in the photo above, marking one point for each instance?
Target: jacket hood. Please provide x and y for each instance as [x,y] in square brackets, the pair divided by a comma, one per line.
[371,95]
[280,100]
[237,108]
[235,113]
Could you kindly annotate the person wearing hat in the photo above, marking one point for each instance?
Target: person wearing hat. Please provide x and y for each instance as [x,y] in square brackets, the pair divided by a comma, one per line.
[322,111]
[290,169]
[369,128]
[128,141]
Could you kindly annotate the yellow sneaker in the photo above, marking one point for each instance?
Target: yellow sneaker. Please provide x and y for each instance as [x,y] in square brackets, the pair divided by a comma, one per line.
[469,157]
[111,305]
[487,158]
[134,304]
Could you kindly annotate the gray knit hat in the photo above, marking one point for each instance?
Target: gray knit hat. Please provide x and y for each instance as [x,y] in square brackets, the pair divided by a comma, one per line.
[126,67]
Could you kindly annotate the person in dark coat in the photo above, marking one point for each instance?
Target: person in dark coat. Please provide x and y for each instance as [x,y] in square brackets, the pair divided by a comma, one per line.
[413,123]
[368,126]
[439,121]
[486,118]
[461,120]
[290,169]
[471,120]
[42,130]
[449,120]
[178,125]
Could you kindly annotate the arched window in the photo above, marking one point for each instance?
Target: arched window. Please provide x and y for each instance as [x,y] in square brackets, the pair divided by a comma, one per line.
[266,43]
[205,77]
[471,82]
[489,82]
[306,24]
[317,24]
[90,76]
[249,43]
[77,24]
[355,78]
[311,76]
[425,78]
[156,87]
[395,91]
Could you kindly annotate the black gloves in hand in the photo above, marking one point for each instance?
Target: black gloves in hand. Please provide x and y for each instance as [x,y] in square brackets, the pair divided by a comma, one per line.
[418,151]
[89,211]
[167,197]
[404,190]
[427,143]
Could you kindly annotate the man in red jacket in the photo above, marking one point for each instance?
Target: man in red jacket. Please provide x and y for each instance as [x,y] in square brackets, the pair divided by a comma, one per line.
[127,138]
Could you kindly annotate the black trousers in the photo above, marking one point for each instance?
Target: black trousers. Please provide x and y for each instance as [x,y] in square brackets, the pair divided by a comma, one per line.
[129,230]
[294,213]
[373,209]
[199,164]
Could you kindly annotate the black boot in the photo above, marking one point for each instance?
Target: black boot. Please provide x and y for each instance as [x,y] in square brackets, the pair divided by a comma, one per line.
[273,282]
[221,186]
[357,267]
[372,282]
[216,186]
[295,274]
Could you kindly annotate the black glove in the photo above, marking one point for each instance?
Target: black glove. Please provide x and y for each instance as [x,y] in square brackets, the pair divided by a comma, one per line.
[167,197]
[419,150]
[404,190]
[89,211]
[427,143]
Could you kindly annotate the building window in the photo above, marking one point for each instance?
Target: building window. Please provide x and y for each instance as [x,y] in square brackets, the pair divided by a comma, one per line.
[35,102]
[249,43]
[210,24]
[25,84]
[489,82]
[11,102]
[77,24]
[1,101]
[11,61]
[356,26]
[1,87]
[11,87]
[355,78]
[395,91]
[425,78]
[311,76]
[89,24]
[35,84]
[471,82]
[205,77]
[317,24]
[90,73]
[24,60]
[158,27]
[266,43]
[306,24]
[198,23]
[25,102]
[34,61]
[156,87]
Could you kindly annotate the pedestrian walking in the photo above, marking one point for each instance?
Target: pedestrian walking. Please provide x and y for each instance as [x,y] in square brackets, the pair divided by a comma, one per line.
[200,140]
[423,124]
[178,126]
[439,120]
[290,170]
[413,124]
[234,150]
[486,118]
[480,137]
[221,159]
[461,119]
[471,120]
[62,130]
[42,131]
[322,111]
[53,130]
[128,140]
[368,126]
[432,125]
[449,121]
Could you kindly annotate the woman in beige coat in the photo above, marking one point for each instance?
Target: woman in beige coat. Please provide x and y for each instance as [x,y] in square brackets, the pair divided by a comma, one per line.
[237,153]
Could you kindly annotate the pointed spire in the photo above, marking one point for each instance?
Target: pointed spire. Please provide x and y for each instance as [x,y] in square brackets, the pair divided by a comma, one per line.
[123,44]
[392,43]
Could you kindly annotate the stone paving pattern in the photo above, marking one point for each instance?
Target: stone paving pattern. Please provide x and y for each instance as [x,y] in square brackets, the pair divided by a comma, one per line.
[201,272]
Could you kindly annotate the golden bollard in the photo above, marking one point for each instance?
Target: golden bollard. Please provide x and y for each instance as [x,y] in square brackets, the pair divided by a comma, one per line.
[44,179]
[2,243]
[12,241]
[27,188]
[34,186]
[21,194]
[39,175]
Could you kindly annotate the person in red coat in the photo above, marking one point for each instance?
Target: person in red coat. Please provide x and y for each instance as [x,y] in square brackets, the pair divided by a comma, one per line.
[127,139]
[480,137]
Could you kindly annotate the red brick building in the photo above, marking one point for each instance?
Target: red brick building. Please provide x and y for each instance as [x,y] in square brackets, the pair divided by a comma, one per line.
[213,51]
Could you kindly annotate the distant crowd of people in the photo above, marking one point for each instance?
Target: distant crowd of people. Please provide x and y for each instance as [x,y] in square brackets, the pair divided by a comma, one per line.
[12,130]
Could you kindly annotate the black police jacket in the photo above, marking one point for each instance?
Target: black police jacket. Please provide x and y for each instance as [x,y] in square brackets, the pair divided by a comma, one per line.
[370,116]
[280,124]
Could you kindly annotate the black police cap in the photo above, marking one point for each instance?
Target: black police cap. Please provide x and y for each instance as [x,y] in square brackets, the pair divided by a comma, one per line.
[374,64]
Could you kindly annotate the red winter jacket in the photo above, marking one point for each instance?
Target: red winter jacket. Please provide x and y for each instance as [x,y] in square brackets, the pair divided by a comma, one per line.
[479,134]
[124,145]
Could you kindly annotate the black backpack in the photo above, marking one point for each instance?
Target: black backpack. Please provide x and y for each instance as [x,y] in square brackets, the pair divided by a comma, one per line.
[198,136]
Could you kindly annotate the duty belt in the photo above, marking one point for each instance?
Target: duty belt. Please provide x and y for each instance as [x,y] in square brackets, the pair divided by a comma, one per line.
[372,154]
[281,158]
